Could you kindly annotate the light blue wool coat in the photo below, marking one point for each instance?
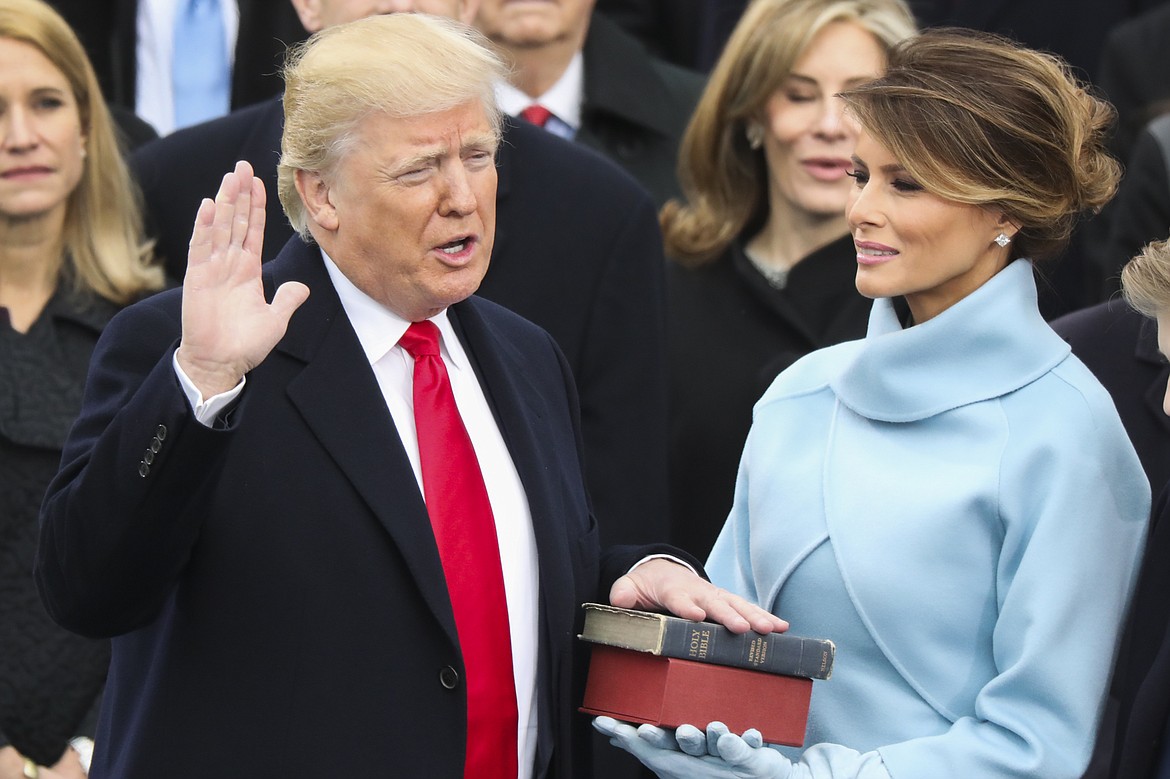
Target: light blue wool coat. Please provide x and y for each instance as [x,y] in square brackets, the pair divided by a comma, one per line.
[957,505]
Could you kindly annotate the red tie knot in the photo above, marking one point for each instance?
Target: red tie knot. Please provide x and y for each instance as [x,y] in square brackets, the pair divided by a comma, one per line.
[537,114]
[421,339]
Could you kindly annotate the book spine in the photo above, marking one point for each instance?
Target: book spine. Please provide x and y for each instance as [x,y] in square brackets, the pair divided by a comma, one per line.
[776,653]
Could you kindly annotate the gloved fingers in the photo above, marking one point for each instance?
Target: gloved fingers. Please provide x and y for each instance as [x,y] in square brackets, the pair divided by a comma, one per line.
[715,730]
[734,749]
[691,740]
[657,737]
[753,738]
[613,728]
[753,762]
[659,751]
[640,740]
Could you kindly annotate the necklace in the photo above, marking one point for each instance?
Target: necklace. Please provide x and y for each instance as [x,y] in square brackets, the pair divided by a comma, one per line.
[777,278]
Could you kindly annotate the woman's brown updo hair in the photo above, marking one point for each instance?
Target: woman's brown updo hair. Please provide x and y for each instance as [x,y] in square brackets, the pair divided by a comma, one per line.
[979,119]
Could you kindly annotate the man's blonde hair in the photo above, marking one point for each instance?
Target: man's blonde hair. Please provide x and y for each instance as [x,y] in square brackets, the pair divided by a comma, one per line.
[401,65]
[1145,279]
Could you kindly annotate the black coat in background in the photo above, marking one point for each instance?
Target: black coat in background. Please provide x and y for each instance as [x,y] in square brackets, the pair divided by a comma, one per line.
[1074,29]
[1120,347]
[689,33]
[108,30]
[1135,59]
[730,333]
[1134,62]
[577,251]
[50,679]
[1141,682]
[635,107]
[1140,212]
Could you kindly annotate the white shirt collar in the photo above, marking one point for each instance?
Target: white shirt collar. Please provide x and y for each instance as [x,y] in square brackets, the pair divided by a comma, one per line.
[378,328]
[564,98]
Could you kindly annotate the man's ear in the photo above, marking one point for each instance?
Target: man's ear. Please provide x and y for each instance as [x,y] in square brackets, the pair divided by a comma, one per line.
[310,13]
[317,197]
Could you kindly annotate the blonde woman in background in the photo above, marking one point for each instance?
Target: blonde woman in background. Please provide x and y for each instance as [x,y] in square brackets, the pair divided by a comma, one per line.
[762,264]
[71,254]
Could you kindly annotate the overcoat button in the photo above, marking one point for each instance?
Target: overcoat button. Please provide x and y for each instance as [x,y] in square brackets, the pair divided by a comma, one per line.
[161,433]
[449,678]
[148,457]
[143,469]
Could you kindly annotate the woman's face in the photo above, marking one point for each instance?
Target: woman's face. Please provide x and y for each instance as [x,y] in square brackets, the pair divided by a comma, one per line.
[41,141]
[809,138]
[910,242]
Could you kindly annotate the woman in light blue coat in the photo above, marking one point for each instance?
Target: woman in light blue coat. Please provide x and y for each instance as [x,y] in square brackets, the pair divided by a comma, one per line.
[953,499]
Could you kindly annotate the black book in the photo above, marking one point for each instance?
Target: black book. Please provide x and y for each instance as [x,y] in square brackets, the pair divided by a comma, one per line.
[708,642]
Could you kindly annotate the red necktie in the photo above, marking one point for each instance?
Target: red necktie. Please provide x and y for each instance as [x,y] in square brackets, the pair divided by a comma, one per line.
[465,531]
[537,114]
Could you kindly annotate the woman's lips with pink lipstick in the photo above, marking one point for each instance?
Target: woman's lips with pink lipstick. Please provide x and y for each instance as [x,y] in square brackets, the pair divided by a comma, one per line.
[827,168]
[870,253]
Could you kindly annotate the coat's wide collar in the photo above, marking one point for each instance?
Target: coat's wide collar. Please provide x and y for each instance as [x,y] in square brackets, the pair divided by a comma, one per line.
[988,344]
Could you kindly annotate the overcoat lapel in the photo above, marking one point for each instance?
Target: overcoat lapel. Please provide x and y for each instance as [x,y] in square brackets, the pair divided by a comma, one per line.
[502,373]
[339,399]
[501,369]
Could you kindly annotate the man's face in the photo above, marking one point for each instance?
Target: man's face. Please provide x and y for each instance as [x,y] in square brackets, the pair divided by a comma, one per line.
[319,14]
[408,213]
[528,24]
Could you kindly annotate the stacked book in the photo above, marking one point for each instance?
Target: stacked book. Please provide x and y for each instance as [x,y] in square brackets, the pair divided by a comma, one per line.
[666,671]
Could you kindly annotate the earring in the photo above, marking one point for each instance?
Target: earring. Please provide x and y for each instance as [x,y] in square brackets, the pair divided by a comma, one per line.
[1002,239]
[755,135]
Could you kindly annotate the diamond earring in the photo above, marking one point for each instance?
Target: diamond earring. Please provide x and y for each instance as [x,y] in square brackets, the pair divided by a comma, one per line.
[1002,239]
[755,135]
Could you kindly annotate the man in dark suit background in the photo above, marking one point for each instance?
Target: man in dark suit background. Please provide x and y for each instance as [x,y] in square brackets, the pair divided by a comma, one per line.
[108,30]
[603,88]
[690,33]
[1132,74]
[241,503]
[577,251]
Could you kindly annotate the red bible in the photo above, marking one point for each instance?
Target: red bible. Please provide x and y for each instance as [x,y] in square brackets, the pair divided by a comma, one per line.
[667,691]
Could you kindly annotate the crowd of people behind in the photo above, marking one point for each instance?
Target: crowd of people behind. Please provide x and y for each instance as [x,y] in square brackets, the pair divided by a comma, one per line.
[806,276]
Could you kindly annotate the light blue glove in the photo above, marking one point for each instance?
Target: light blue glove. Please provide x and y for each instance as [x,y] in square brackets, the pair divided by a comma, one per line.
[694,742]
[691,754]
